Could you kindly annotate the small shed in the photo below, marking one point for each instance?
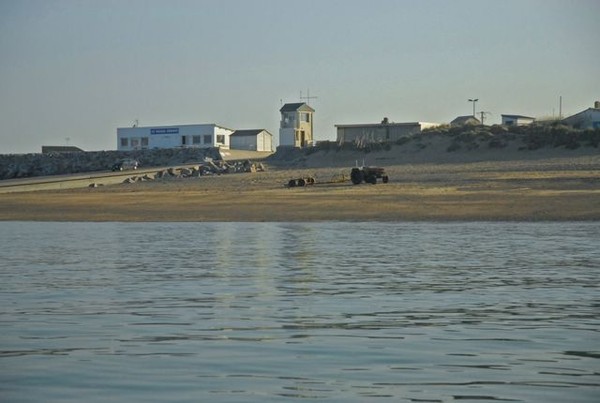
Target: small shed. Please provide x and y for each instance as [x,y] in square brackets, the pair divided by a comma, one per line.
[516,120]
[252,139]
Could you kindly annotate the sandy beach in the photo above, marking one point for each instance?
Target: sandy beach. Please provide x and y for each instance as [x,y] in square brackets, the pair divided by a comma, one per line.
[547,187]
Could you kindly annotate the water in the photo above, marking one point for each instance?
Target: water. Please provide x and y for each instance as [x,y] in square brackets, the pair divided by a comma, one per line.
[339,312]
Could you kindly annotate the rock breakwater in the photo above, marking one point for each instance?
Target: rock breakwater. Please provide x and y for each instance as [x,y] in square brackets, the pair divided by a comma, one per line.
[29,165]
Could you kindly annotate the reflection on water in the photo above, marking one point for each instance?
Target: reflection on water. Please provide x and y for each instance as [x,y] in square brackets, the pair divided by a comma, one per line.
[418,312]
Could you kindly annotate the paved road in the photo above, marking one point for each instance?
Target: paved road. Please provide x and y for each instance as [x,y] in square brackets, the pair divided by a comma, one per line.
[69,181]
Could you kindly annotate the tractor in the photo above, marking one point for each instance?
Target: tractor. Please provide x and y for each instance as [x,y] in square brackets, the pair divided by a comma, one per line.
[368,175]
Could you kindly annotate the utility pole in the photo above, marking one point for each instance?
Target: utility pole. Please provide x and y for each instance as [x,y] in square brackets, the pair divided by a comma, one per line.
[560,107]
[483,115]
[474,100]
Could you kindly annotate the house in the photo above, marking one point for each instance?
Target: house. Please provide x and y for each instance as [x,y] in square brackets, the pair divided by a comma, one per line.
[195,135]
[379,132]
[587,119]
[468,120]
[516,120]
[296,126]
[255,140]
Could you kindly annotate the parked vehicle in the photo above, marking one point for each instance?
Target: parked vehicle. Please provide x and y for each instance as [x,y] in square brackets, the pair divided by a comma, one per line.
[368,175]
[125,165]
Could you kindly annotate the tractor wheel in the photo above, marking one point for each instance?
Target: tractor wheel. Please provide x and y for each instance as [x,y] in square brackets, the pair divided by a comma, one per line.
[292,183]
[301,182]
[385,179]
[356,176]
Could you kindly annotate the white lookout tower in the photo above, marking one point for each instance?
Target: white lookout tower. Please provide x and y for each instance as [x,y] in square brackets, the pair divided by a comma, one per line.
[296,128]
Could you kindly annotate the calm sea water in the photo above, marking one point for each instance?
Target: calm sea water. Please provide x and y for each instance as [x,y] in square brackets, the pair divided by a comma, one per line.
[340,312]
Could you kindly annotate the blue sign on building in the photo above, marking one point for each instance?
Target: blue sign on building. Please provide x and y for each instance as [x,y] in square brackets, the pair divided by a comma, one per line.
[170,130]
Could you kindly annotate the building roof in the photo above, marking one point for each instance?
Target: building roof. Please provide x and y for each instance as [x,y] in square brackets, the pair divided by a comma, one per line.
[461,120]
[517,116]
[249,132]
[386,124]
[175,126]
[300,106]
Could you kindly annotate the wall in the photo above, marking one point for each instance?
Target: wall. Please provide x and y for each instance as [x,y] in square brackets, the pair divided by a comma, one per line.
[287,137]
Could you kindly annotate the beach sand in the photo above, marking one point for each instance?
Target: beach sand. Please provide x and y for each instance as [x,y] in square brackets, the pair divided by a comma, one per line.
[553,189]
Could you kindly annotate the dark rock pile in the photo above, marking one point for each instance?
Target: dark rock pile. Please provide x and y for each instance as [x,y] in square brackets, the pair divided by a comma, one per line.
[208,168]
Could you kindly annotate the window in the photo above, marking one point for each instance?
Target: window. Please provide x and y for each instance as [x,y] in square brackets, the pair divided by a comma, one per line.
[221,138]
[144,142]
[135,143]
[207,139]
[304,117]
[288,119]
[182,140]
[195,140]
[124,141]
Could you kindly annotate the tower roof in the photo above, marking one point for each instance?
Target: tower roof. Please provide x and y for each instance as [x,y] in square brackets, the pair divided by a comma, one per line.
[300,106]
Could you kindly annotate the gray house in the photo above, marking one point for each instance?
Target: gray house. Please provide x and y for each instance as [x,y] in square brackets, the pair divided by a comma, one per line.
[587,119]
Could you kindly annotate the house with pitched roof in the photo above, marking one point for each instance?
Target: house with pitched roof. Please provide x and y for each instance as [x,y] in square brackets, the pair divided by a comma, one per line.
[465,121]
[587,119]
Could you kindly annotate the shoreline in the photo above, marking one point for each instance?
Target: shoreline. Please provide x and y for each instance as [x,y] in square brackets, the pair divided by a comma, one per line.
[554,189]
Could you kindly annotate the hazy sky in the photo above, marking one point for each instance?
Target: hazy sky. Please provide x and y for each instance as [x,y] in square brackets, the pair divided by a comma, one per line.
[77,70]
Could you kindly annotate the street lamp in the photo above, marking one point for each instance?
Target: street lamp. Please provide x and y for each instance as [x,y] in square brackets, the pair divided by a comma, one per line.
[474,100]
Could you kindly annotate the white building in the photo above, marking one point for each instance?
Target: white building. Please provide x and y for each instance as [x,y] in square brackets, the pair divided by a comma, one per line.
[199,135]
[587,119]
[296,127]
[379,132]
[516,120]
[254,140]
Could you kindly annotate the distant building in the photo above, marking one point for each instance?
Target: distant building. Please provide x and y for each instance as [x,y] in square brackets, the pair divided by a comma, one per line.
[60,149]
[255,140]
[587,119]
[379,132]
[465,121]
[296,127]
[197,135]
[516,120]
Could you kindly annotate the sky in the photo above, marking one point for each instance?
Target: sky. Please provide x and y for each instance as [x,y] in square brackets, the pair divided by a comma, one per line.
[73,71]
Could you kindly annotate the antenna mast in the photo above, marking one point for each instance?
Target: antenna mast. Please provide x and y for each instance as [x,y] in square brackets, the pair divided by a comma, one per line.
[307,97]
